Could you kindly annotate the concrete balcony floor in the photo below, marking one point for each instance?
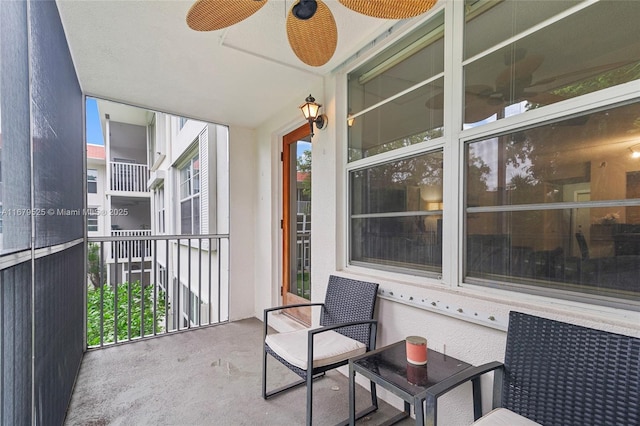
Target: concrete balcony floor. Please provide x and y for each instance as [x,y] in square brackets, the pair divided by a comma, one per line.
[209,376]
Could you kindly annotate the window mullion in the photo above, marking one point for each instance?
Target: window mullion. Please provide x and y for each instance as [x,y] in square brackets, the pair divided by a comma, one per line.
[453,187]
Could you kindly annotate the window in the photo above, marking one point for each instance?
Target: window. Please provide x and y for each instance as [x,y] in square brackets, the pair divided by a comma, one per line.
[557,206]
[190,197]
[549,201]
[398,118]
[92,219]
[92,181]
[537,70]
[396,206]
[153,143]
[160,210]
[396,214]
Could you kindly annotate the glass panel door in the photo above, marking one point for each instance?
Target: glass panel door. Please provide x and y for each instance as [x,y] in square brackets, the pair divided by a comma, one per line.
[296,224]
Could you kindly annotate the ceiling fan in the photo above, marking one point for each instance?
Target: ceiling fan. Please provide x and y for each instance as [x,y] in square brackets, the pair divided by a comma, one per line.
[513,84]
[311,29]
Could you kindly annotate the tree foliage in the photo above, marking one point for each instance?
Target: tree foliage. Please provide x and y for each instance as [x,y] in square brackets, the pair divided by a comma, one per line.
[102,300]
[304,166]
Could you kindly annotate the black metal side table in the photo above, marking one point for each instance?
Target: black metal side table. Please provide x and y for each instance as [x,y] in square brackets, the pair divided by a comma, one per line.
[416,385]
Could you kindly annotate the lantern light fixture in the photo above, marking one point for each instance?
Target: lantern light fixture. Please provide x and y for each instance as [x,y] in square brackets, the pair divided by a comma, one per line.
[311,111]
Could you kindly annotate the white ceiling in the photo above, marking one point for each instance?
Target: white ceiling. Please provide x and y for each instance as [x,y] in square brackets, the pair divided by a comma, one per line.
[144,54]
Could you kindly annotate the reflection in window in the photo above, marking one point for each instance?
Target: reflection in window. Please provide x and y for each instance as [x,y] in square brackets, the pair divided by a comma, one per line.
[401,122]
[538,69]
[396,214]
[558,206]
[415,64]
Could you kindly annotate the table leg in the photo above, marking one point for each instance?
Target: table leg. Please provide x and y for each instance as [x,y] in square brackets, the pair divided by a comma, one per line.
[417,404]
[352,395]
[477,399]
[432,411]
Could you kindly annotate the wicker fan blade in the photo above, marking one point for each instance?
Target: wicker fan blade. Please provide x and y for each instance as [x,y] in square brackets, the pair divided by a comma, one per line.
[313,40]
[210,15]
[521,71]
[386,9]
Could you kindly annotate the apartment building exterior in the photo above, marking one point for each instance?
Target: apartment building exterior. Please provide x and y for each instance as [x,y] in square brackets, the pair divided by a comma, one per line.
[161,175]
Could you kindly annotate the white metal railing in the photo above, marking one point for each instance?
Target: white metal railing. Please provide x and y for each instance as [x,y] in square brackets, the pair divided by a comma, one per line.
[303,264]
[137,249]
[129,177]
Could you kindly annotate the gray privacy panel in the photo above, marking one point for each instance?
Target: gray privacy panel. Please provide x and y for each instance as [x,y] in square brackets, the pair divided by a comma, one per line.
[15,345]
[15,173]
[58,151]
[58,143]
[59,331]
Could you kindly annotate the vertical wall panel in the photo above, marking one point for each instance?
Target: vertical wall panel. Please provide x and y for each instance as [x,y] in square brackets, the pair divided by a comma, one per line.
[58,145]
[59,339]
[14,127]
[58,151]
[15,281]
[15,345]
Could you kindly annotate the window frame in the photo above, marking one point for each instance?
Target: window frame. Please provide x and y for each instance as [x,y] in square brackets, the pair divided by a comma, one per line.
[160,209]
[422,148]
[93,215]
[90,182]
[194,155]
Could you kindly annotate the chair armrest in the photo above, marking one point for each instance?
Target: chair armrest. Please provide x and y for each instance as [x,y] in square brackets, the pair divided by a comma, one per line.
[279,308]
[464,376]
[341,325]
[470,374]
[297,305]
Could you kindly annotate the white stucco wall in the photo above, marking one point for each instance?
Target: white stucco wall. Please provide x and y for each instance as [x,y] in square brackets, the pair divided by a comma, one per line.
[243,193]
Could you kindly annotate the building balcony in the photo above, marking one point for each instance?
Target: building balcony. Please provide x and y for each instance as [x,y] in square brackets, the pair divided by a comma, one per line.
[128,177]
[130,249]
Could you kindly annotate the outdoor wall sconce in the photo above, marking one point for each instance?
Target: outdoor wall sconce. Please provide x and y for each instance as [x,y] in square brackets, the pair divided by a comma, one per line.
[311,111]
[635,151]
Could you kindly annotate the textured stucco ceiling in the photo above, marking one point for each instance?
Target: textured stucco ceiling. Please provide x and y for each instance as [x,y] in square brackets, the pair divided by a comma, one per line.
[144,54]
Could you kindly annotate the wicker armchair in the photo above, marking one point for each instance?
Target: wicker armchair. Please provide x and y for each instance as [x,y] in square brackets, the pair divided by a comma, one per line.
[347,329]
[556,373]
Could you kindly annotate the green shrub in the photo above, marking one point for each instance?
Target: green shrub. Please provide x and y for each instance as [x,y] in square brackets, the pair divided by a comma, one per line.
[124,290]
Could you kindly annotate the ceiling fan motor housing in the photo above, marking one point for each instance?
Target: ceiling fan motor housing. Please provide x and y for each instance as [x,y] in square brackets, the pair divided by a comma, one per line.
[305,9]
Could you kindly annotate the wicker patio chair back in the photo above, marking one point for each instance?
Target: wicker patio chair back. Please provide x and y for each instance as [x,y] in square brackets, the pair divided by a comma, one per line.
[563,374]
[349,300]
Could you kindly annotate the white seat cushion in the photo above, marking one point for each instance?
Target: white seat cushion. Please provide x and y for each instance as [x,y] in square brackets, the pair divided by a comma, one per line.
[503,417]
[328,347]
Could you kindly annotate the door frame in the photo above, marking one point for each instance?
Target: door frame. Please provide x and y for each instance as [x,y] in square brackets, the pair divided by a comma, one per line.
[302,315]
